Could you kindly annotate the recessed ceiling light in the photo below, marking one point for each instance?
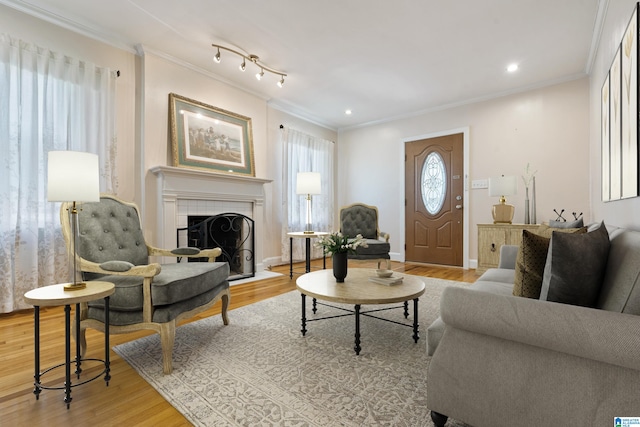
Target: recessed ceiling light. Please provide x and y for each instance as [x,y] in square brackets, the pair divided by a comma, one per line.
[512,67]
[348,112]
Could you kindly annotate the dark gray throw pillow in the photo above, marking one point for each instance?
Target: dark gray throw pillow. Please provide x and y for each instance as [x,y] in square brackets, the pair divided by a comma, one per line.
[575,267]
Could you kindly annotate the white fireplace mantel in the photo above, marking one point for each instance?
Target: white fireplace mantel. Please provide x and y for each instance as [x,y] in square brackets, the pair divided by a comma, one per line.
[175,184]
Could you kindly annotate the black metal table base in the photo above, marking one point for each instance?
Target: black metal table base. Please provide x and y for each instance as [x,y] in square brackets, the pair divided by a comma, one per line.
[357,312]
[307,256]
[38,387]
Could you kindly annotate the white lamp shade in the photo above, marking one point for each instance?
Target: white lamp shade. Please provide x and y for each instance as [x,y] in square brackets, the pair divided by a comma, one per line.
[308,183]
[503,186]
[73,176]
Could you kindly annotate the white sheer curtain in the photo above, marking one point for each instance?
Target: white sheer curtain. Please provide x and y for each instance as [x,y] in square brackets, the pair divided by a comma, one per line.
[305,153]
[48,101]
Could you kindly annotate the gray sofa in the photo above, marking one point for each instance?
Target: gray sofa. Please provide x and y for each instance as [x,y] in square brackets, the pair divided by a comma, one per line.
[503,360]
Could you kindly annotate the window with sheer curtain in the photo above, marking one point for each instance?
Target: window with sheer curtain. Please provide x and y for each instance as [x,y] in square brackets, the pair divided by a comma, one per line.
[305,153]
[48,101]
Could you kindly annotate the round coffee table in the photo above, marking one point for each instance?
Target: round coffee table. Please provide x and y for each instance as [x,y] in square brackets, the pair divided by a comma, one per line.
[358,290]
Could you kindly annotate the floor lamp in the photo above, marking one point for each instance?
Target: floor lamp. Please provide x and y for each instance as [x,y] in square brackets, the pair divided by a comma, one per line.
[73,177]
[308,183]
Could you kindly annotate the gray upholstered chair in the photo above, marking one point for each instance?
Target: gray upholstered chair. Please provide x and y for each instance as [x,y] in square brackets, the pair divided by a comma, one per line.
[359,218]
[151,296]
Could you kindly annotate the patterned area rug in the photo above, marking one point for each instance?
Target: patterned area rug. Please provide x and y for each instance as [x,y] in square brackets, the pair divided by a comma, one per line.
[260,371]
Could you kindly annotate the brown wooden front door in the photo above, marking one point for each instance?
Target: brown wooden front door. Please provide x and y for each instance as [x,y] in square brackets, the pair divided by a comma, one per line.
[434,185]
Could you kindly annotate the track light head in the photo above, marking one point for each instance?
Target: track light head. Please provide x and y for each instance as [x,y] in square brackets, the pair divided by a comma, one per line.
[252,58]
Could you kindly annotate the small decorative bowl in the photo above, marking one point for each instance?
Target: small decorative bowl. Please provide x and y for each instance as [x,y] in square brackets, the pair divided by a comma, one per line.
[384,273]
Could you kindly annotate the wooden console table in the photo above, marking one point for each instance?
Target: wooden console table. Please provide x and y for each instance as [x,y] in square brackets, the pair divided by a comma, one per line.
[492,236]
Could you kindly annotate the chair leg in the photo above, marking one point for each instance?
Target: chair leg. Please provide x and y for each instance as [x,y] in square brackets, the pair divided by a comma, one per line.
[225,306]
[439,420]
[167,338]
[82,338]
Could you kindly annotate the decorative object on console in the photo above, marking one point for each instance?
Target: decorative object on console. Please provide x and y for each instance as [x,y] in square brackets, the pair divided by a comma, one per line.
[253,58]
[534,220]
[529,179]
[561,222]
[500,187]
[210,138]
[73,176]
[308,183]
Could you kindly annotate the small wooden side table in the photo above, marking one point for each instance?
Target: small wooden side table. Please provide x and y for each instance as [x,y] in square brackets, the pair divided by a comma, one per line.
[308,236]
[56,295]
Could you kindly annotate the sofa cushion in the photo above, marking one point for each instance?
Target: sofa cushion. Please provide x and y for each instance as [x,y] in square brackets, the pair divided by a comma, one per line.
[375,249]
[575,267]
[176,282]
[621,287]
[500,275]
[531,260]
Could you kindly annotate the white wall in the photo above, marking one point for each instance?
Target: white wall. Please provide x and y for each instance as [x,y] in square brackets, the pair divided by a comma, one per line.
[624,213]
[142,117]
[161,77]
[274,213]
[547,128]
[59,40]
[556,129]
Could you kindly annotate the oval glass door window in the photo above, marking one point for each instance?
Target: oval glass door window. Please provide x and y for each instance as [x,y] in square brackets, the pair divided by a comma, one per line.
[434,183]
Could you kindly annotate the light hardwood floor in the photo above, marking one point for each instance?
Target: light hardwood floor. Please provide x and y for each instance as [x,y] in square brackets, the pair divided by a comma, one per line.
[128,400]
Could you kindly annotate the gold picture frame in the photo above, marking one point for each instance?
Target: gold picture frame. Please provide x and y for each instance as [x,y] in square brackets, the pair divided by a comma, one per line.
[210,138]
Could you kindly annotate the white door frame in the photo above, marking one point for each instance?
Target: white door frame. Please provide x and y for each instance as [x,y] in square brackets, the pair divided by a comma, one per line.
[465,235]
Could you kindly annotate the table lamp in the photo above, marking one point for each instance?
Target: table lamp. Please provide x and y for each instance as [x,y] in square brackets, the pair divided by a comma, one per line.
[308,183]
[73,177]
[500,187]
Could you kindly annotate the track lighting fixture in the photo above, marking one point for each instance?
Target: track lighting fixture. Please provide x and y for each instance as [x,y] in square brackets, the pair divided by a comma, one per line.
[253,58]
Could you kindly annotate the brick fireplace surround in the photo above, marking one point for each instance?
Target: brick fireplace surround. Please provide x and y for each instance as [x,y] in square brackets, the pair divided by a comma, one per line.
[181,192]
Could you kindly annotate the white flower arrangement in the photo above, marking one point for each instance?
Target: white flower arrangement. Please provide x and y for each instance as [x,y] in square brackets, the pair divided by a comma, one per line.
[339,243]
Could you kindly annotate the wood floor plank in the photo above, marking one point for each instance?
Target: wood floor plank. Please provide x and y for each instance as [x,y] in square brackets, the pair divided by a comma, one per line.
[129,399]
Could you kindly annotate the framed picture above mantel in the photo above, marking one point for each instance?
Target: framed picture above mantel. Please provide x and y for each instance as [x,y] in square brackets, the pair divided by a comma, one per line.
[210,138]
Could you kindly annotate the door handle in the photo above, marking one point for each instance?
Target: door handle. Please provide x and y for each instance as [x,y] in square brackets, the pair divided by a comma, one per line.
[458,206]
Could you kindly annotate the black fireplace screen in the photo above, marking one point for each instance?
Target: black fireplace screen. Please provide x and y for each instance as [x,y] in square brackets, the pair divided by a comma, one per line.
[231,232]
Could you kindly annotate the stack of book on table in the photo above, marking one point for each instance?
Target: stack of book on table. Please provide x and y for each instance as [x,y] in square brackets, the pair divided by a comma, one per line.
[389,281]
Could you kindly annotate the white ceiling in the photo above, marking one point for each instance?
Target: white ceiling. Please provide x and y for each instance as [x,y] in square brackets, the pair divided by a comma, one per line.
[382,59]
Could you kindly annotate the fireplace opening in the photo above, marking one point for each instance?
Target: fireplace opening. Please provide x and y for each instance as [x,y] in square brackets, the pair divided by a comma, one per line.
[233,233]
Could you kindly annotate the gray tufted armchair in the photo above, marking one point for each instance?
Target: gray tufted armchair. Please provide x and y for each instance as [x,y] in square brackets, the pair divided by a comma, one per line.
[111,248]
[359,218]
